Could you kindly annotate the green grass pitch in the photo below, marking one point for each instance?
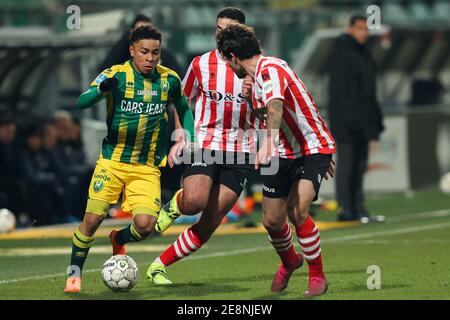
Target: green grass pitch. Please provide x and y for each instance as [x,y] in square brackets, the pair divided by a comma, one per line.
[411,249]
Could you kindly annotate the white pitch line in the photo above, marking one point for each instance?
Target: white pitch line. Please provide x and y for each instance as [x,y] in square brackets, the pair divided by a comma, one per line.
[255,249]
[380,241]
[423,215]
[101,249]
[434,226]
[205,256]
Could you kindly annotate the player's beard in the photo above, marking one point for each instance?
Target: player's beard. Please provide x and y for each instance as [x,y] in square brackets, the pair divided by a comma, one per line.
[241,74]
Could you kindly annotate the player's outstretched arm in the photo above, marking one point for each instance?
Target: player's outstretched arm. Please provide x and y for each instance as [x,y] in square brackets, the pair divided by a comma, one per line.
[96,93]
[184,113]
[186,118]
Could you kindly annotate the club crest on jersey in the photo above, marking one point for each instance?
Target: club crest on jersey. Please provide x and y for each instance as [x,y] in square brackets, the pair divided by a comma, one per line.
[165,86]
[98,186]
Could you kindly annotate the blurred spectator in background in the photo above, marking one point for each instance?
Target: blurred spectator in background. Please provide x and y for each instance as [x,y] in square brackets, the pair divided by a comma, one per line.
[67,151]
[78,155]
[120,51]
[42,174]
[50,144]
[79,173]
[75,170]
[355,116]
[69,139]
[12,188]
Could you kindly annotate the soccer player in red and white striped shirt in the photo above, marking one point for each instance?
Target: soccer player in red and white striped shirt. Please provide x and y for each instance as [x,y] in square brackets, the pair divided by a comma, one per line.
[222,113]
[299,139]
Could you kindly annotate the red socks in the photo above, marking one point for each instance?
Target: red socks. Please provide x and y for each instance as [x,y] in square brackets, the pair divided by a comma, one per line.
[282,242]
[309,240]
[187,243]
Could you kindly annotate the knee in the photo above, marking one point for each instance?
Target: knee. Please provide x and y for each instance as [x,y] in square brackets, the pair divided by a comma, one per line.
[272,225]
[292,209]
[144,226]
[297,212]
[193,204]
[90,224]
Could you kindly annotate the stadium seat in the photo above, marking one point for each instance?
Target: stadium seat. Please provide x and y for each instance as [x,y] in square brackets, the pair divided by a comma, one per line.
[441,11]
[421,12]
[393,13]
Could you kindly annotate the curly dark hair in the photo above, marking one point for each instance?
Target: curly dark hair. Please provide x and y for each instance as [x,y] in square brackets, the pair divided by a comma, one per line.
[240,40]
[145,32]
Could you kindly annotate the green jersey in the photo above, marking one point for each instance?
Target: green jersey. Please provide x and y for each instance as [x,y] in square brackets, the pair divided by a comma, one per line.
[136,113]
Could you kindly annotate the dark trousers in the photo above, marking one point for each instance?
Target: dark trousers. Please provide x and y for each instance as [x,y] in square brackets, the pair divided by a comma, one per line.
[350,168]
[15,195]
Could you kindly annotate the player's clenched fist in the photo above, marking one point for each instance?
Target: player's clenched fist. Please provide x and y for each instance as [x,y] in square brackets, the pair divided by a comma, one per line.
[175,152]
[247,84]
[107,85]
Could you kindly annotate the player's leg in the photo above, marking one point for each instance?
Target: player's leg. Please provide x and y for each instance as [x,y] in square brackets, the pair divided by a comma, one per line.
[104,189]
[142,226]
[361,157]
[84,236]
[142,197]
[231,180]
[197,184]
[220,202]
[82,240]
[302,193]
[280,236]
[276,190]
[343,184]
[192,200]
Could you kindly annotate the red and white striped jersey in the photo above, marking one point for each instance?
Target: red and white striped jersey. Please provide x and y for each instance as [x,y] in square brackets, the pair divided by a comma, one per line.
[303,131]
[222,113]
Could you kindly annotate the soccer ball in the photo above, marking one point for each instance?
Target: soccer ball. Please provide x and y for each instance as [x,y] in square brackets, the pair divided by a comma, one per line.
[445,183]
[120,273]
[7,221]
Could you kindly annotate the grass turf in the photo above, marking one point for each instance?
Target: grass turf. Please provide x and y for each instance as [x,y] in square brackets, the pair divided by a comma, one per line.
[411,250]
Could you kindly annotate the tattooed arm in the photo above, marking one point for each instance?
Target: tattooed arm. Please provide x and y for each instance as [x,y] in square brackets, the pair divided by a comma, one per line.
[273,124]
[274,117]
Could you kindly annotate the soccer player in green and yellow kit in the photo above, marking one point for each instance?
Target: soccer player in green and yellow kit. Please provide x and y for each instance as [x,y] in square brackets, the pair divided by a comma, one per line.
[137,94]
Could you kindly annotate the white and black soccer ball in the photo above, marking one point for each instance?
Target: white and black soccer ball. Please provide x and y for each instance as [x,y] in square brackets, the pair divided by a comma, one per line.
[445,183]
[7,221]
[120,273]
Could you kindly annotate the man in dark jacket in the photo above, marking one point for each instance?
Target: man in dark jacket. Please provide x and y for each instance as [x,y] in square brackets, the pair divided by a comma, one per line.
[355,116]
[12,188]
[41,170]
